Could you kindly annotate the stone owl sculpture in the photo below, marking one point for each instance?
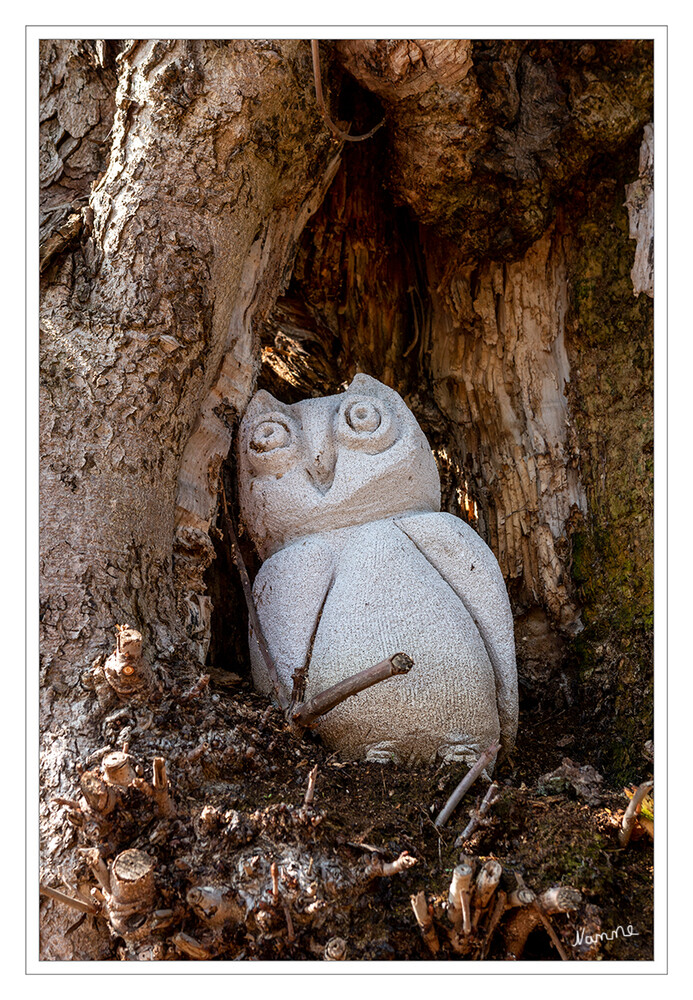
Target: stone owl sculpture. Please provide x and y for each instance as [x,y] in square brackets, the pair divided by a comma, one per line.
[341,496]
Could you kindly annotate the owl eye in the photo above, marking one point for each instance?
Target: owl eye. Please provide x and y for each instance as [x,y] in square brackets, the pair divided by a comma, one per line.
[270,435]
[366,424]
[363,417]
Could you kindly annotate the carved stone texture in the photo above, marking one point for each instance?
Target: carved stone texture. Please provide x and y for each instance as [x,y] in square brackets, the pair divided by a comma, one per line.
[341,495]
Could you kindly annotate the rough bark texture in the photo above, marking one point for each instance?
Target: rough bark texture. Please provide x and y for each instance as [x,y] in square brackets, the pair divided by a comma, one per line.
[200,227]
[215,163]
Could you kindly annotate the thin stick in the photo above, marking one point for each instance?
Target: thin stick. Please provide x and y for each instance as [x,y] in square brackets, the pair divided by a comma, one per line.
[631,813]
[466,783]
[62,897]
[320,100]
[478,814]
[252,610]
[311,710]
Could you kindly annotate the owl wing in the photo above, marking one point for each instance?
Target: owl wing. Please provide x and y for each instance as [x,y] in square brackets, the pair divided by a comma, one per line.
[290,593]
[469,566]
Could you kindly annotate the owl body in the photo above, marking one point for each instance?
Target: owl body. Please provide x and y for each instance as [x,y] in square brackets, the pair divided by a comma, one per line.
[360,564]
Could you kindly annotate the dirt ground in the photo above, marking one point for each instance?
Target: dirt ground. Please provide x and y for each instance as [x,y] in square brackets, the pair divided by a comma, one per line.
[239,774]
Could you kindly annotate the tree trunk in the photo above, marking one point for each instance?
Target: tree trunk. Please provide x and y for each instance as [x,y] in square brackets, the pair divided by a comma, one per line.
[203,233]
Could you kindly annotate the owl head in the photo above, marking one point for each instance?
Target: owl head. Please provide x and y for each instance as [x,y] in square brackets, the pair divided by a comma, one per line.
[331,463]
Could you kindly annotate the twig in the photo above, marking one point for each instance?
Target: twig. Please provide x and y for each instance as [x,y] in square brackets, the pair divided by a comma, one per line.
[62,897]
[319,97]
[631,813]
[466,783]
[477,815]
[252,610]
[307,713]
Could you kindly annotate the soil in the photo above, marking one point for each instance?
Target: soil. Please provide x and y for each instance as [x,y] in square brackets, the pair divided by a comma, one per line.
[236,757]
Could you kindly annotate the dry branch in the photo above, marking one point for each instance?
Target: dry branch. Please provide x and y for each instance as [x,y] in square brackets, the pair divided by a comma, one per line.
[308,713]
[477,815]
[484,760]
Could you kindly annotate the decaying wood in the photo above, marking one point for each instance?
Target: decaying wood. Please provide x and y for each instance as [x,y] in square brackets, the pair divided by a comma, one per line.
[169,225]
[132,894]
[309,712]
[484,760]
[631,814]
[486,884]
[160,788]
[191,947]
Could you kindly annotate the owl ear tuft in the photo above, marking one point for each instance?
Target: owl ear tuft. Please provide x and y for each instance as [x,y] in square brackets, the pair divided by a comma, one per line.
[365,382]
[263,400]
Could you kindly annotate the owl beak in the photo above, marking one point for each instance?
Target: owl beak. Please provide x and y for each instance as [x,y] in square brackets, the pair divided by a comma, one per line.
[321,472]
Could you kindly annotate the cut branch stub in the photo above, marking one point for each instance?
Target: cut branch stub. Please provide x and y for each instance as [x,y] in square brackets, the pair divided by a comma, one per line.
[310,711]
[131,898]
[132,876]
[126,670]
[99,796]
[118,769]
[424,919]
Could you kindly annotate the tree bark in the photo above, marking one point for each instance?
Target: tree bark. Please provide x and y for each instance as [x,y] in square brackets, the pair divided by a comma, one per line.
[216,161]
